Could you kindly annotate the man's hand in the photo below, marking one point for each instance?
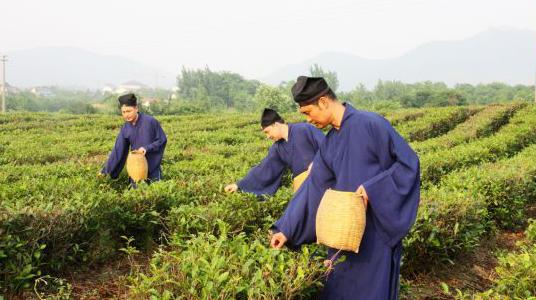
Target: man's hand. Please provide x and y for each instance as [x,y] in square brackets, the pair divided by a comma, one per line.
[309,167]
[231,188]
[142,150]
[278,240]
[361,191]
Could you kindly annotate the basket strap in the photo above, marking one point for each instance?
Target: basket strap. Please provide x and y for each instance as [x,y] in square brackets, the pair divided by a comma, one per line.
[365,201]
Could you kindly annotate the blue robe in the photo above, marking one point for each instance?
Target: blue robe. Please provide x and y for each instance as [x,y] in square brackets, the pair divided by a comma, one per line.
[296,154]
[367,151]
[147,133]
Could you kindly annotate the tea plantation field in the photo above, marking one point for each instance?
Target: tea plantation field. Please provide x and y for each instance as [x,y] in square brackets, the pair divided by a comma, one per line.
[478,176]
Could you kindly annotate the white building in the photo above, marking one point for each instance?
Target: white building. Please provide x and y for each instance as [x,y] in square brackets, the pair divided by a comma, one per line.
[108,89]
[129,86]
[147,101]
[42,91]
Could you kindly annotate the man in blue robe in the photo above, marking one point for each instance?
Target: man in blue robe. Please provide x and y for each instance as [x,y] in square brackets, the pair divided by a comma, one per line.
[140,132]
[362,153]
[294,147]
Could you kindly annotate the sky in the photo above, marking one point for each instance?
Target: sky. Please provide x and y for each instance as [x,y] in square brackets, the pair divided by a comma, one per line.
[250,37]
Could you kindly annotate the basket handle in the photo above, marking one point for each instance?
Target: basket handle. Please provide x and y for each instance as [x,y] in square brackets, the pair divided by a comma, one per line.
[362,195]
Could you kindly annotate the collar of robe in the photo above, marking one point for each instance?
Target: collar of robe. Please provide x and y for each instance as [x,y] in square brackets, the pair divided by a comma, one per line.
[282,140]
[289,133]
[137,121]
[348,111]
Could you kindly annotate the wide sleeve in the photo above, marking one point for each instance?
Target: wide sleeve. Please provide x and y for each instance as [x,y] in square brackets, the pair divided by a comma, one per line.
[118,156]
[394,193]
[298,222]
[160,138]
[264,178]
[316,137]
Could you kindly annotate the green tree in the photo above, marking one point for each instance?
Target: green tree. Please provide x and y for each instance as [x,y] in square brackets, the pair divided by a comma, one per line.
[274,98]
[391,90]
[329,76]
[360,95]
[215,89]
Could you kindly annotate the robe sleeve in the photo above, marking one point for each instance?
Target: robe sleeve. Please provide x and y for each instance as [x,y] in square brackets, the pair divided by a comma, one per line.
[298,222]
[317,137]
[118,156]
[394,193]
[160,138]
[265,178]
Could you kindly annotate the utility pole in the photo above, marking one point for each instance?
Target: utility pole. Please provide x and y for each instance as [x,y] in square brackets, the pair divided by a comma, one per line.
[4,59]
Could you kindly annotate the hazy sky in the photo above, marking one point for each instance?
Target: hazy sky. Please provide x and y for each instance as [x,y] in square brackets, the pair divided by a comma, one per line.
[250,37]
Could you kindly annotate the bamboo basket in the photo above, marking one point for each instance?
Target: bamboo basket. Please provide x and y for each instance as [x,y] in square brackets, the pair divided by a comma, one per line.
[137,167]
[341,220]
[298,180]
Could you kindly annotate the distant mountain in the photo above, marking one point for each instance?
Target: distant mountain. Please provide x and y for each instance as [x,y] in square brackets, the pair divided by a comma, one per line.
[74,67]
[505,55]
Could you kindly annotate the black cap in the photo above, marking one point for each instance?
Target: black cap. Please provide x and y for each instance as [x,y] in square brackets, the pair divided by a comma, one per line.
[269,117]
[128,100]
[308,89]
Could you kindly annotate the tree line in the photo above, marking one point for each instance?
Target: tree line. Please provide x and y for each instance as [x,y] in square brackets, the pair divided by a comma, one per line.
[205,90]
